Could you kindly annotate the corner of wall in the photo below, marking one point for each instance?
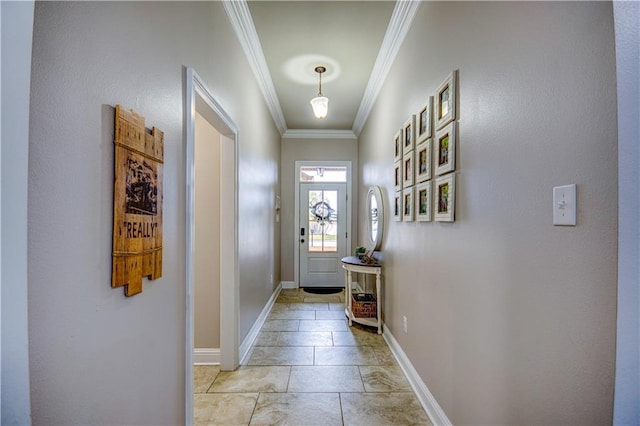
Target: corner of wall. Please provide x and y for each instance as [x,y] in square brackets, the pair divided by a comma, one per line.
[17,26]
[627,387]
[434,411]
[257,325]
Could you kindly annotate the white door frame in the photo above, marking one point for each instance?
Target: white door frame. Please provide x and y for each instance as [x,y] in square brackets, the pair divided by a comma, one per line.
[296,203]
[330,279]
[198,96]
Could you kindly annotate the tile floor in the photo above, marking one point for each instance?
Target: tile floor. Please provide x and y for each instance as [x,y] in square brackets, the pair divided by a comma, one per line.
[308,367]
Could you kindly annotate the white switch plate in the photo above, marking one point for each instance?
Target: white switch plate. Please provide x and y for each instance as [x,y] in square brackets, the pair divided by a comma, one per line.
[564,205]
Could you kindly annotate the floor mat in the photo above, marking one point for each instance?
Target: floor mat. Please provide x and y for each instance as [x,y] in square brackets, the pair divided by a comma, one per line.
[322,290]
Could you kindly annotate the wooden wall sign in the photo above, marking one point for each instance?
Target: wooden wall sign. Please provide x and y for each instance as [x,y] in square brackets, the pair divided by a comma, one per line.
[137,202]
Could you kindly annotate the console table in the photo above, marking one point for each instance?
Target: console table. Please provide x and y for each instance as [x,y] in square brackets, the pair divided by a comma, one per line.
[353,264]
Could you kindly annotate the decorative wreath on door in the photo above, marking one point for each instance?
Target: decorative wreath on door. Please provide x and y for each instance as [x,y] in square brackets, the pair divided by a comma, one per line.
[322,211]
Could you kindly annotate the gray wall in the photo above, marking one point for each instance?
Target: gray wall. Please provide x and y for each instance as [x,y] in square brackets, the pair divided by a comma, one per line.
[311,150]
[97,357]
[627,393]
[17,27]
[206,328]
[510,319]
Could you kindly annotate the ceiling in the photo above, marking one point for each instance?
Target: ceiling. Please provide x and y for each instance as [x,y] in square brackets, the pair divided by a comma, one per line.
[355,40]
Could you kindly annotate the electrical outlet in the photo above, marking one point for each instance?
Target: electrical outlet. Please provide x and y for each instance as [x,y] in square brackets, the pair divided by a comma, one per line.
[404,324]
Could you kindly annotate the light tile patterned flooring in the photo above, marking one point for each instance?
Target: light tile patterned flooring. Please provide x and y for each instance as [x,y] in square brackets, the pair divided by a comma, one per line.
[308,367]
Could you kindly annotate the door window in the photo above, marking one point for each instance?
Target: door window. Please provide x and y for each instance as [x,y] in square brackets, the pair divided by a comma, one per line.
[323,221]
[323,174]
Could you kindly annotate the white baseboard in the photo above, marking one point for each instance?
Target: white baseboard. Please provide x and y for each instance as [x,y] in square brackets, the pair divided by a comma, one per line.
[434,411]
[253,333]
[288,284]
[206,356]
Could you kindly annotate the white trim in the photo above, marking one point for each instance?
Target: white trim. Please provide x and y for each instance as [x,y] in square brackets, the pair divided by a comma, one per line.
[399,25]
[434,411]
[257,325]
[229,271]
[206,356]
[242,23]
[296,203]
[288,284]
[318,134]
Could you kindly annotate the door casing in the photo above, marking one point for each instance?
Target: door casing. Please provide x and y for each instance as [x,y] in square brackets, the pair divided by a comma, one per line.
[335,279]
[199,98]
[296,203]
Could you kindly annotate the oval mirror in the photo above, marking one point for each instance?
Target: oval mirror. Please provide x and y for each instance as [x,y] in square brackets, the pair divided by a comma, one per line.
[375,218]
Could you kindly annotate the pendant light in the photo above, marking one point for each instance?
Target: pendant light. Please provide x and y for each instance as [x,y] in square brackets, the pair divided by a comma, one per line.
[320,104]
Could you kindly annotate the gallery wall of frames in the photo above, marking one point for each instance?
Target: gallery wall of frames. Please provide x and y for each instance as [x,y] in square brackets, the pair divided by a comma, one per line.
[425,159]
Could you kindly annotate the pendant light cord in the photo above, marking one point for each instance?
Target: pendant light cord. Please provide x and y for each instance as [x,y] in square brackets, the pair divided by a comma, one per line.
[320,69]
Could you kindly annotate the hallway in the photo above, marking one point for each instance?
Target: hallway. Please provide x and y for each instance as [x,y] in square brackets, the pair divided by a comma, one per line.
[307,366]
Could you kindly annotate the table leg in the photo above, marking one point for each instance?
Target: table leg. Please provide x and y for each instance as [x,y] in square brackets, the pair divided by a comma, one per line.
[348,296]
[378,303]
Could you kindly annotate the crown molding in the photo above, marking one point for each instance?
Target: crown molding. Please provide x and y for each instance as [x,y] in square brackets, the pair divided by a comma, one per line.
[242,23]
[399,25]
[318,134]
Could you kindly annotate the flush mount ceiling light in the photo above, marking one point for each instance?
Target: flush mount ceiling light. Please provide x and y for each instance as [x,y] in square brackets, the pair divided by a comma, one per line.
[320,104]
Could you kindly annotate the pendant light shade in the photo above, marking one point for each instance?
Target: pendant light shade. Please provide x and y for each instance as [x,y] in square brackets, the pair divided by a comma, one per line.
[320,104]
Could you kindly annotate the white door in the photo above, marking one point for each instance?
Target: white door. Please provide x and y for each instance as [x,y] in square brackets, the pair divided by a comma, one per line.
[322,234]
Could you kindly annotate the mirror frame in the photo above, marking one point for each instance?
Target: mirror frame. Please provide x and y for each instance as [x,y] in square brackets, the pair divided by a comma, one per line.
[375,191]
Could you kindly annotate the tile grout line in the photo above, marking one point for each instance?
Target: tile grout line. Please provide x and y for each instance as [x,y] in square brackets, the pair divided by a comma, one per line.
[289,379]
[362,379]
[212,382]
[254,409]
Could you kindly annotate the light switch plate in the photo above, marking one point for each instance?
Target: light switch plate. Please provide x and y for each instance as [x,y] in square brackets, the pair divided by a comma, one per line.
[564,205]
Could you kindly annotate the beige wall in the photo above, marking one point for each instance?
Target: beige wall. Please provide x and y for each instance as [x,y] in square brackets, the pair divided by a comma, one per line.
[311,150]
[97,357]
[510,319]
[207,235]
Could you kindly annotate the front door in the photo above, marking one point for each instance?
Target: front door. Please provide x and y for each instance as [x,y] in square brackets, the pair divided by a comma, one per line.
[322,234]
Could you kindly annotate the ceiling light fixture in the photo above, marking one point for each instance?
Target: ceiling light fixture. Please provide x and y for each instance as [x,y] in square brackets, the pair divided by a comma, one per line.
[320,104]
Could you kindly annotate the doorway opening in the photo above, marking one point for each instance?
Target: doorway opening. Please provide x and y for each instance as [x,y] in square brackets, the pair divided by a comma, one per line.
[221,136]
[322,222]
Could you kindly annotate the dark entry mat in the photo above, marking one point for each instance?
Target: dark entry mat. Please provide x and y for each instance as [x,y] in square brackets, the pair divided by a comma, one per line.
[322,290]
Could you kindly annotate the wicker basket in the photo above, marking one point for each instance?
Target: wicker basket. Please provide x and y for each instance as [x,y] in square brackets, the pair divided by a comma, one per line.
[363,305]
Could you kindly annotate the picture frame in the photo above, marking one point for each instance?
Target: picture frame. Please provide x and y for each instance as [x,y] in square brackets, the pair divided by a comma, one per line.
[398,175]
[445,100]
[423,202]
[407,170]
[407,204]
[423,122]
[397,146]
[408,134]
[445,198]
[445,149]
[423,161]
[397,210]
